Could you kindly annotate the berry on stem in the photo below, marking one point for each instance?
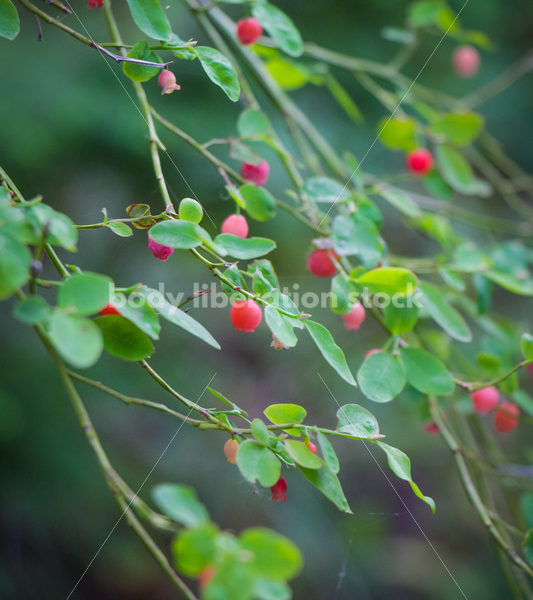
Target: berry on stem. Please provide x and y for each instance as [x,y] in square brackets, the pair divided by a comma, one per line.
[311,446]
[257,174]
[354,318]
[466,61]
[320,264]
[190,210]
[420,161]
[373,351]
[230,450]
[485,400]
[236,225]
[205,576]
[246,315]
[167,82]
[95,3]
[249,30]
[431,428]
[279,490]
[158,250]
[108,309]
[505,417]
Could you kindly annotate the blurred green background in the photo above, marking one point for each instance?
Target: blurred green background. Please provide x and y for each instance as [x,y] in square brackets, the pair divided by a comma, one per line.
[69,130]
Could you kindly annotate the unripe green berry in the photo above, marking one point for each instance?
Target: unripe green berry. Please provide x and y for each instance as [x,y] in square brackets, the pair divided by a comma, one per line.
[190,210]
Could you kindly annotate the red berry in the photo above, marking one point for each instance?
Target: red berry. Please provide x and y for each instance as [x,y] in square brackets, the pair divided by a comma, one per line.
[246,315]
[167,81]
[530,369]
[95,3]
[505,417]
[320,264]
[249,30]
[236,225]
[205,576]
[373,351]
[257,174]
[158,250]
[108,309]
[230,450]
[279,490]
[311,447]
[354,318]
[466,61]
[431,428]
[420,162]
[485,400]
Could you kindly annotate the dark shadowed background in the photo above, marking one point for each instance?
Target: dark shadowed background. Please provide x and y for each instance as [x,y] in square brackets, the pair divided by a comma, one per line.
[69,130]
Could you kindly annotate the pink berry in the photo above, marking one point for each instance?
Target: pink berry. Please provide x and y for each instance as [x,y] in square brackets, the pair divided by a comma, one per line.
[279,490]
[420,162]
[236,225]
[320,264]
[354,318]
[257,174]
[485,400]
[373,351]
[246,315]
[167,81]
[431,428]
[108,309]
[311,447]
[205,576]
[466,61]
[249,30]
[158,250]
[530,369]
[95,3]
[505,417]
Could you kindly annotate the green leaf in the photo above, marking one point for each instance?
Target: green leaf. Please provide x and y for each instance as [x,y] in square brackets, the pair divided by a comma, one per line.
[301,454]
[357,421]
[271,590]
[400,315]
[137,310]
[136,72]
[389,280]
[220,71]
[454,168]
[288,74]
[524,287]
[329,349]
[328,483]
[244,248]
[253,122]
[400,465]
[260,432]
[528,546]
[398,134]
[280,327]
[260,204]
[265,268]
[280,27]
[15,261]
[256,462]
[343,294]
[343,98]
[178,317]
[183,235]
[150,19]
[328,452]
[281,414]
[180,503]
[61,231]
[444,314]
[233,579]
[526,344]
[426,373]
[9,20]
[401,202]
[31,310]
[120,229]
[77,339]
[123,339]
[381,377]
[458,128]
[324,189]
[355,235]
[274,556]
[195,548]
[85,293]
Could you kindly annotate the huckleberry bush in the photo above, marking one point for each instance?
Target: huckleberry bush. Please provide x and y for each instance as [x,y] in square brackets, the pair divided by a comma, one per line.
[429,306]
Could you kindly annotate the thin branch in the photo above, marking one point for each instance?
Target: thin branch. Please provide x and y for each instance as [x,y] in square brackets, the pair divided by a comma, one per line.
[471,386]
[119,58]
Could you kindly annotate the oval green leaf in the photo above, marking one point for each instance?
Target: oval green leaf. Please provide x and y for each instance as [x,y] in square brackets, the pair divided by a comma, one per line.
[256,462]
[444,314]
[150,19]
[180,503]
[381,377]
[85,293]
[123,339]
[280,27]
[77,339]
[220,71]
[426,373]
[259,202]
[244,248]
